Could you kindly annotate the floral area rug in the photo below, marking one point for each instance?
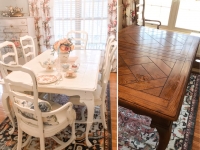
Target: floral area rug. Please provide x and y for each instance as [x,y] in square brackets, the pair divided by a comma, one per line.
[183,129]
[100,138]
[134,130]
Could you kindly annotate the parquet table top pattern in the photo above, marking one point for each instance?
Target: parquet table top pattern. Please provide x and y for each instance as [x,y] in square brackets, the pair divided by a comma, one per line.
[154,66]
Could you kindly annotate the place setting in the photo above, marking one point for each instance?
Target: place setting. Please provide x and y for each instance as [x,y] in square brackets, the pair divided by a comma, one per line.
[62,65]
[52,73]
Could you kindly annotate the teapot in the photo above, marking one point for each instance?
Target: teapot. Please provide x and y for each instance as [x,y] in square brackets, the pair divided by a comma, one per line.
[48,64]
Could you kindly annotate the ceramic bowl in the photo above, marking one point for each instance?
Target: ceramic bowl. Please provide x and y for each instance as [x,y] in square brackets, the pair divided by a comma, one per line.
[65,67]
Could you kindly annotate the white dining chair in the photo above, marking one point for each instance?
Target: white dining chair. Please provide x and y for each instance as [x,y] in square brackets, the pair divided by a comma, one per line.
[27,49]
[10,58]
[100,93]
[79,39]
[108,50]
[36,117]
[111,47]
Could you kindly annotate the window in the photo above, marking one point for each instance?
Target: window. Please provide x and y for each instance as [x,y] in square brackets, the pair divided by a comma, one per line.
[178,15]
[86,15]
[189,15]
[158,10]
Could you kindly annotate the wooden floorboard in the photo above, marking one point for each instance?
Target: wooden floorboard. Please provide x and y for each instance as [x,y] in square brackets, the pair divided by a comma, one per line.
[113,99]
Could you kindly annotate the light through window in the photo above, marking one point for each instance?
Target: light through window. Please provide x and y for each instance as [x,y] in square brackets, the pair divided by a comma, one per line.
[86,15]
[158,10]
[189,15]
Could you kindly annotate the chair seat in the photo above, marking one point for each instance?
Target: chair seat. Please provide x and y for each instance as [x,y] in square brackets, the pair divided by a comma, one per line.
[49,130]
[62,119]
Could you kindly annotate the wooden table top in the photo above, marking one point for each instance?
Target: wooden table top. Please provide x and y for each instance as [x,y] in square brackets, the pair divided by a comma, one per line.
[154,67]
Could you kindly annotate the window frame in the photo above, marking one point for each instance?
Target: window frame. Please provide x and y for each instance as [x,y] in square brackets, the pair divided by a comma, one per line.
[172,20]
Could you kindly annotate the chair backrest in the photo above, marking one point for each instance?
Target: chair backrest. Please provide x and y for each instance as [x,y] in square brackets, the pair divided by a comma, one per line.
[21,101]
[107,67]
[79,39]
[139,17]
[109,47]
[107,50]
[10,58]
[28,49]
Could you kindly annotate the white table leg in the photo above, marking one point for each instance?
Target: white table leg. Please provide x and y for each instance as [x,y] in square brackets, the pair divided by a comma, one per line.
[90,115]
[7,108]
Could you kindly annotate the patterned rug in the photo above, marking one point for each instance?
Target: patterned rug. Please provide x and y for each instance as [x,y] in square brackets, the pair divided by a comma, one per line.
[134,130]
[183,129]
[100,138]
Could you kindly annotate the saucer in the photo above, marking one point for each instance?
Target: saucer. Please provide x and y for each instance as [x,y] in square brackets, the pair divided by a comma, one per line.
[46,79]
[67,75]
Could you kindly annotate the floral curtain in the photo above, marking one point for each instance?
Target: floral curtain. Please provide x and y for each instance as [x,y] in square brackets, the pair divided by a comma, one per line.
[42,11]
[112,25]
[128,12]
[112,18]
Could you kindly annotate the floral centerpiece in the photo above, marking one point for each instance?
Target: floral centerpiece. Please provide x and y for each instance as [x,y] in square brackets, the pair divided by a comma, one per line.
[63,47]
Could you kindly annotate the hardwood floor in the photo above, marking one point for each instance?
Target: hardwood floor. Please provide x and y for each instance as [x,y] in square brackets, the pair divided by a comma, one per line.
[113,99]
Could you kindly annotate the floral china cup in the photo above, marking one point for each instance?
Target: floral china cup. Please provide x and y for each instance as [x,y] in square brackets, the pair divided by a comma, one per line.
[65,67]
[75,67]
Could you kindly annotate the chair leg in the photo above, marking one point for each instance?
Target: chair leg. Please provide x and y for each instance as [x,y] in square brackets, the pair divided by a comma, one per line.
[42,143]
[103,118]
[19,144]
[73,131]
[49,96]
[65,144]
[82,113]
[7,108]
[28,140]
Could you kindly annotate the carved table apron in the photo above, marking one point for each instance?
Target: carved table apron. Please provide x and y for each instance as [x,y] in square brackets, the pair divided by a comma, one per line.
[154,67]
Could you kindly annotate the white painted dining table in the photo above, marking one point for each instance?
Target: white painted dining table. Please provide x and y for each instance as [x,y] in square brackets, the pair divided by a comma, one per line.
[84,84]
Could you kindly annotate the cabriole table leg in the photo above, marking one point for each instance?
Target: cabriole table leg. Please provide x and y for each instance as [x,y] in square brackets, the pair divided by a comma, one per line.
[164,134]
[90,114]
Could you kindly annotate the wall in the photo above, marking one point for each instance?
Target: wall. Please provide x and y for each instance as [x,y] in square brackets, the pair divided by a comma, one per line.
[15,3]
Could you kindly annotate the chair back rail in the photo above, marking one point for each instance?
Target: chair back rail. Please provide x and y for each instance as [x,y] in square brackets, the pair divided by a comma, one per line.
[30,46]
[107,68]
[139,6]
[18,95]
[79,39]
[9,54]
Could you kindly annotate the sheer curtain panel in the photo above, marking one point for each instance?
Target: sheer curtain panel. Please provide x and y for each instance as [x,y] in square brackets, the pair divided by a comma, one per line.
[82,15]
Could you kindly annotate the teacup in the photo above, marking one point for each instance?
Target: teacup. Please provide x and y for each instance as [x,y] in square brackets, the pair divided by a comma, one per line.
[70,73]
[65,67]
[75,67]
